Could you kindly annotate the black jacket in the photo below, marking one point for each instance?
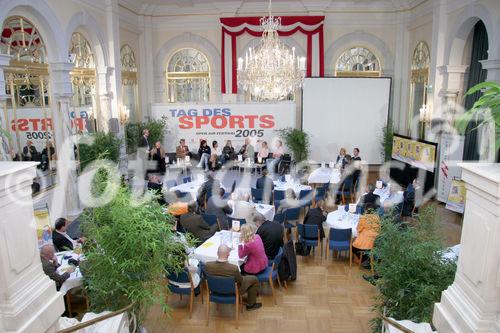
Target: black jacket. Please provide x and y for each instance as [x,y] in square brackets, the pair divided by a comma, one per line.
[145,143]
[204,150]
[288,265]
[207,188]
[265,183]
[271,234]
[60,242]
[194,224]
[220,208]
[370,201]
[315,217]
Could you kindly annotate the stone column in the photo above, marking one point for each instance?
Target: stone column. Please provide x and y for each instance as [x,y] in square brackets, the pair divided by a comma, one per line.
[493,68]
[29,301]
[105,96]
[4,141]
[472,302]
[65,202]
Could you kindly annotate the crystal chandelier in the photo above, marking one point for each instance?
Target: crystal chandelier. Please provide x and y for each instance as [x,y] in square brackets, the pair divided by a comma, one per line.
[270,71]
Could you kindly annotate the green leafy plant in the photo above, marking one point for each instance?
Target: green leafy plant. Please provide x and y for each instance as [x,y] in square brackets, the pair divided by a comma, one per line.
[129,245]
[386,141]
[412,270]
[485,109]
[297,141]
[133,132]
[98,146]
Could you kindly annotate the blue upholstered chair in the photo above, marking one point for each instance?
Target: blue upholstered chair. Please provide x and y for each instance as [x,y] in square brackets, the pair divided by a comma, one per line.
[223,290]
[270,274]
[309,234]
[340,240]
[184,277]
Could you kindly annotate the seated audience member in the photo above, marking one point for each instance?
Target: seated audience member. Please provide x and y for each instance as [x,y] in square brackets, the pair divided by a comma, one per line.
[155,185]
[227,152]
[50,265]
[216,153]
[263,152]
[247,150]
[265,183]
[340,157]
[252,247]
[204,152]
[48,155]
[29,152]
[355,155]
[207,188]
[182,150]
[145,140]
[243,208]
[158,154]
[216,205]
[368,229]
[179,208]
[408,203]
[370,199]
[193,223]
[316,216]
[62,241]
[290,201]
[247,284]
[277,154]
[271,234]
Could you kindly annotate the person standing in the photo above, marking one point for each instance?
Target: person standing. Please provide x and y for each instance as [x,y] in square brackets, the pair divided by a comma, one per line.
[158,154]
[145,140]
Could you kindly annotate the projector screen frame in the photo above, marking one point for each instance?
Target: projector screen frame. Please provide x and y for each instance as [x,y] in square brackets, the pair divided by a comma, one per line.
[348,77]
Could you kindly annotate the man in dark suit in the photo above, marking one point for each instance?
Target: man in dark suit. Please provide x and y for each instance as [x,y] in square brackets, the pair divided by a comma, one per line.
[355,155]
[370,200]
[145,140]
[50,265]
[61,240]
[266,184]
[409,199]
[207,188]
[194,224]
[247,284]
[216,205]
[316,216]
[271,234]
[29,152]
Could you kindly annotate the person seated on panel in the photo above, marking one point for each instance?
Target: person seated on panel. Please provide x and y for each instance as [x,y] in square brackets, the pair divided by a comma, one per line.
[271,234]
[290,201]
[182,150]
[227,152]
[145,140]
[246,284]
[50,265]
[263,152]
[369,199]
[194,224]
[29,152]
[214,157]
[158,154]
[204,153]
[247,150]
[252,248]
[340,157]
[368,229]
[217,205]
[207,188]
[60,238]
[242,207]
[277,154]
[355,155]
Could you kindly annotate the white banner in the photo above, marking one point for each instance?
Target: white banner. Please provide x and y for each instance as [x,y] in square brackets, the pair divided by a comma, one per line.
[450,153]
[33,126]
[234,122]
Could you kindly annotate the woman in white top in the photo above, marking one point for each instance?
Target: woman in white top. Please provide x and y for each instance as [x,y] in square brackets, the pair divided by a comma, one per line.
[216,153]
[277,154]
[263,152]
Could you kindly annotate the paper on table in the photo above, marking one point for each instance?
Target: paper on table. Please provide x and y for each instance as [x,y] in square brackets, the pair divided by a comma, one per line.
[379,184]
[240,158]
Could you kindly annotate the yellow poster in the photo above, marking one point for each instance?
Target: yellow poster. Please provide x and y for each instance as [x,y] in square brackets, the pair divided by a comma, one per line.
[456,197]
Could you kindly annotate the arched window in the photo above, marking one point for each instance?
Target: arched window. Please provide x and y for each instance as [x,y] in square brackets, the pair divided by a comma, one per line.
[188,77]
[129,84]
[358,62]
[83,77]
[27,81]
[419,81]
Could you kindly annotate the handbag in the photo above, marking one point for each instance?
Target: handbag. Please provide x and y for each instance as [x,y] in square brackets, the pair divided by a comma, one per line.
[301,248]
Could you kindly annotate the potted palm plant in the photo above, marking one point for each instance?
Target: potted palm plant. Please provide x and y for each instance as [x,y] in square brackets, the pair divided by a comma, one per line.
[297,141]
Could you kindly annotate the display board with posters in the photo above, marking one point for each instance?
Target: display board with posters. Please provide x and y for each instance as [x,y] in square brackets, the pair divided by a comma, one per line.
[33,125]
[450,153]
[456,197]
[418,153]
[222,122]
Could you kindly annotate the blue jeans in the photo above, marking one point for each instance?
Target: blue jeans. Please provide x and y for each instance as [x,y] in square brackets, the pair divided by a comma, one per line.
[204,161]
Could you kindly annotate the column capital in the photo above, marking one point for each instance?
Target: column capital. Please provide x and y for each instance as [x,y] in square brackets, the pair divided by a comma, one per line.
[61,79]
[449,69]
[490,63]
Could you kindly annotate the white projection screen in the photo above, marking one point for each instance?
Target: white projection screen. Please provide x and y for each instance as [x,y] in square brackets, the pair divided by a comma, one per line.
[345,112]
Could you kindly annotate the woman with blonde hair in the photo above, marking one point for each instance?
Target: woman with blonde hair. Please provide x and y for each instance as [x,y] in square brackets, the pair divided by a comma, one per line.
[252,247]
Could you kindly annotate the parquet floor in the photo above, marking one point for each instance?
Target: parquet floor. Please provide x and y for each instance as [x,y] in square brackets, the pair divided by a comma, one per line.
[327,296]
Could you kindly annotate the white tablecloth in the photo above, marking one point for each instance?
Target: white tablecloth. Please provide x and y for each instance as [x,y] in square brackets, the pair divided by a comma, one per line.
[387,197]
[324,175]
[207,251]
[267,210]
[342,220]
[281,186]
[190,187]
[75,279]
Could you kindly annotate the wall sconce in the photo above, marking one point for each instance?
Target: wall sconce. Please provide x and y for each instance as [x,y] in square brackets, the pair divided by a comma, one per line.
[425,114]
